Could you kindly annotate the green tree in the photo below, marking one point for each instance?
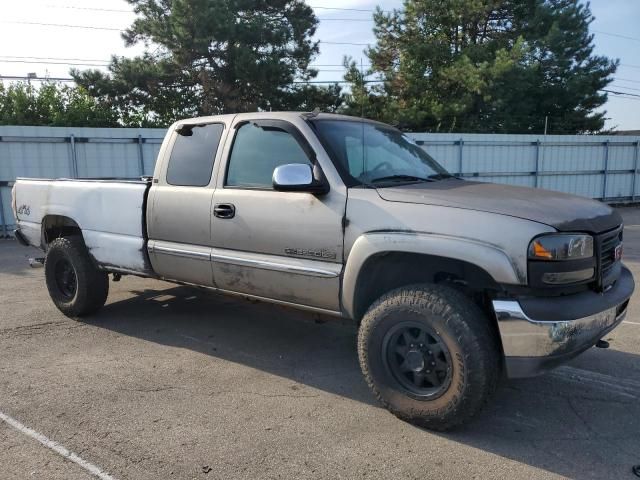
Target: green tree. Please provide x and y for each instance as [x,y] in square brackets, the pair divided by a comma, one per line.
[213,57]
[485,66]
[52,104]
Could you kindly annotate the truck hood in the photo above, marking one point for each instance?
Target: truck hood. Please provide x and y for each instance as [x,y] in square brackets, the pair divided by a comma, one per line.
[559,210]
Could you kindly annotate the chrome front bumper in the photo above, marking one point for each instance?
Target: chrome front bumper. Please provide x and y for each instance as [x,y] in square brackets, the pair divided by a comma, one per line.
[532,346]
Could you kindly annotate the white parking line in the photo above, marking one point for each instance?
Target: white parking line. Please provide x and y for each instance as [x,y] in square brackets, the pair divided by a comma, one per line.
[56,447]
[631,323]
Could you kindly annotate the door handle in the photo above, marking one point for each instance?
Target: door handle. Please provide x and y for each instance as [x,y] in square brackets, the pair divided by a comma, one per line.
[224,210]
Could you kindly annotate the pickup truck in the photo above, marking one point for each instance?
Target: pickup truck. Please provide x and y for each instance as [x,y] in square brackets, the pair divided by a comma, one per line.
[453,284]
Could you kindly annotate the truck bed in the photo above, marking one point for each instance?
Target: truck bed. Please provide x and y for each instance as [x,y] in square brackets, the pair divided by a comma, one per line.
[110,213]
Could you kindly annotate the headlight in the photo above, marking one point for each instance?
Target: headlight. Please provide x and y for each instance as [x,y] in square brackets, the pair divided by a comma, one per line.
[561,259]
[561,247]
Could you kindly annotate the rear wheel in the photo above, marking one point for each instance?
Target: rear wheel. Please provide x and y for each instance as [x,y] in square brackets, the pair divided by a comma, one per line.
[75,284]
[429,355]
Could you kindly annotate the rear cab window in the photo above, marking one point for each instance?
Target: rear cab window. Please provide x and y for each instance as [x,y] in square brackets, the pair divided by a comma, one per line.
[193,154]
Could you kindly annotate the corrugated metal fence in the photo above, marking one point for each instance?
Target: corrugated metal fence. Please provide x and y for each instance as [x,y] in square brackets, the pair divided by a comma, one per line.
[596,166]
[60,152]
[602,167]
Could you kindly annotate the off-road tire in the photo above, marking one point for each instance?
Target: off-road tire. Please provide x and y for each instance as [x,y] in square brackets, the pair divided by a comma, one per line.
[465,331]
[91,285]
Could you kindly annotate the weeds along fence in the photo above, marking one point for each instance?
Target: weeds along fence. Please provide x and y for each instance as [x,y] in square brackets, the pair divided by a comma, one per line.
[600,167]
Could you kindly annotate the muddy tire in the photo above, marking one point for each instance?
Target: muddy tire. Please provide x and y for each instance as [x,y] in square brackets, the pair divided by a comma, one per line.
[75,284]
[430,355]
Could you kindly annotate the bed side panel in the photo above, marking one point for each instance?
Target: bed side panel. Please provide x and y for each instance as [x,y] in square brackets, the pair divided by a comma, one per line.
[109,213]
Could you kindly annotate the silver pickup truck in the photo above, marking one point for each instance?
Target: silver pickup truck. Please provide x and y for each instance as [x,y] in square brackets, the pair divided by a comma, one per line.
[453,284]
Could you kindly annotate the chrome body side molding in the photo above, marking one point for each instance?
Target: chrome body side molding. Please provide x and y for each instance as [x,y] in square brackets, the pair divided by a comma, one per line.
[299,266]
[179,250]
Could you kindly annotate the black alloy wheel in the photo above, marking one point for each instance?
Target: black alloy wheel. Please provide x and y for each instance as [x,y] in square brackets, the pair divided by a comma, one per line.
[66,279]
[418,359]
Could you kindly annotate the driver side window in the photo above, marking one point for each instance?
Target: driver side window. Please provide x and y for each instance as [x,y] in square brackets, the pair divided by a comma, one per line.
[257,151]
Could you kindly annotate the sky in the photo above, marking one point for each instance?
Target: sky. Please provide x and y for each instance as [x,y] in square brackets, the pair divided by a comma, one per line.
[51,50]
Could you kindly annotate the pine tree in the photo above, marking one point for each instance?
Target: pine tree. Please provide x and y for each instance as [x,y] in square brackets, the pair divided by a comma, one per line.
[486,66]
[213,57]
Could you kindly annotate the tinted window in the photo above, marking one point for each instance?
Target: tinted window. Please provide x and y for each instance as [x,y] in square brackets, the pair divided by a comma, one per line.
[194,151]
[257,151]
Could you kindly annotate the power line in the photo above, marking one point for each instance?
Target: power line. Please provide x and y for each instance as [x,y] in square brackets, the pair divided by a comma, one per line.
[345,43]
[54,58]
[343,9]
[40,79]
[615,92]
[624,86]
[88,27]
[331,65]
[106,61]
[68,79]
[40,62]
[628,95]
[103,62]
[131,11]
[70,7]
[55,63]
[96,60]
[626,80]
[92,27]
[622,97]
[617,35]
[346,20]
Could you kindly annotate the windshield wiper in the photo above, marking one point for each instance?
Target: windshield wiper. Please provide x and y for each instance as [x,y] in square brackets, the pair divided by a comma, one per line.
[407,178]
[440,176]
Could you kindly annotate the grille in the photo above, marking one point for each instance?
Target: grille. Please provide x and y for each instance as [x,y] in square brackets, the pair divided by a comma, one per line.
[609,266]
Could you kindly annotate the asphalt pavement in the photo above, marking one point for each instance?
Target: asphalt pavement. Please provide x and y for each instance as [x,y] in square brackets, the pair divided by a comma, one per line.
[174,382]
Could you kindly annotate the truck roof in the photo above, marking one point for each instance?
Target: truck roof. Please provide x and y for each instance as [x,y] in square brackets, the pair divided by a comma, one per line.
[274,115]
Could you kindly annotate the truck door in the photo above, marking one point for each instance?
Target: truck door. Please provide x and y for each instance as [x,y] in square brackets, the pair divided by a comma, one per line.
[285,246]
[179,213]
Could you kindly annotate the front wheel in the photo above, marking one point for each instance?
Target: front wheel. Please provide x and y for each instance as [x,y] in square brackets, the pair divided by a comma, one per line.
[75,284]
[429,355]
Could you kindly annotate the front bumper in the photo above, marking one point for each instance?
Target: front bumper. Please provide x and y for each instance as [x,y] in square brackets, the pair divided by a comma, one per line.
[561,327]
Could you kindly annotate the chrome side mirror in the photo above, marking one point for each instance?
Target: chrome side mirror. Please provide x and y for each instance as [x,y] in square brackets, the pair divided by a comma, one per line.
[297,177]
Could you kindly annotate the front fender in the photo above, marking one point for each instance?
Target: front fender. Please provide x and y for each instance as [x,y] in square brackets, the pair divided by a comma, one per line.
[487,257]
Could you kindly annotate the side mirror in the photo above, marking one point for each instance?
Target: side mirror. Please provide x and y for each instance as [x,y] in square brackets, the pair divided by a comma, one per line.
[298,177]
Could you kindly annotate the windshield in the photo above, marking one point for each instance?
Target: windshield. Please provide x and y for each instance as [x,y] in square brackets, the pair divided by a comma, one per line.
[374,154]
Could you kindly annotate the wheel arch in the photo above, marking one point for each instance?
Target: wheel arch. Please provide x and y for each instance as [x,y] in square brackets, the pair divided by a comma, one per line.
[56,226]
[382,262]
